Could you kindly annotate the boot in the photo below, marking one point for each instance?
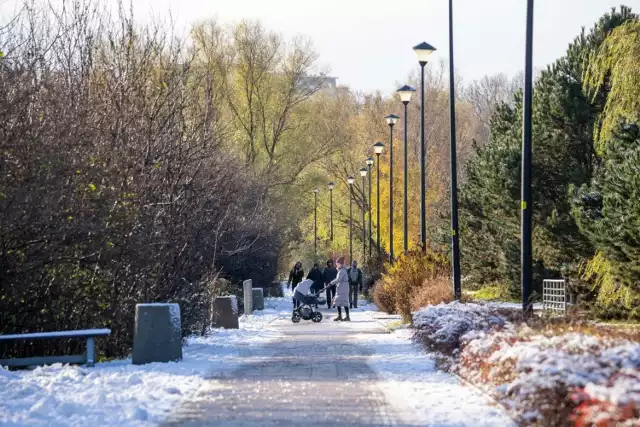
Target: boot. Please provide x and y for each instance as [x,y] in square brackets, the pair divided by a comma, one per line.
[338,319]
[346,319]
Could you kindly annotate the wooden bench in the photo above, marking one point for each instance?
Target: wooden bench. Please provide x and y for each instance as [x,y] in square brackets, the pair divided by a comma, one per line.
[88,358]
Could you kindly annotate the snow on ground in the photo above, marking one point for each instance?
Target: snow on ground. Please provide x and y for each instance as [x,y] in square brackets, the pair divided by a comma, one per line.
[522,366]
[414,385]
[122,394]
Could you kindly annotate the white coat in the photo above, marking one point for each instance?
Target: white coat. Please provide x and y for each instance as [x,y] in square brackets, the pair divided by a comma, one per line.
[342,290]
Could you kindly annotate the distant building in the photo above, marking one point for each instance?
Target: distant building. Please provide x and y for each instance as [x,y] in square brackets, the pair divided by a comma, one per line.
[325,83]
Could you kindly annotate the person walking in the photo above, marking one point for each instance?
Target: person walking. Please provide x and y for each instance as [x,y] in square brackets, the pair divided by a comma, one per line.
[295,275]
[316,275]
[342,291]
[328,274]
[355,284]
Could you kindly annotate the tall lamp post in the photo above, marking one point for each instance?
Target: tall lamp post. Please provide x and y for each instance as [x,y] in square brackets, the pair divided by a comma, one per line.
[331,186]
[378,148]
[391,121]
[350,180]
[423,50]
[315,222]
[405,93]
[455,235]
[363,174]
[369,163]
[526,204]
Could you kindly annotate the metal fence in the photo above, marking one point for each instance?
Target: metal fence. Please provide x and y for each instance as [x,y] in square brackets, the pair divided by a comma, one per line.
[554,295]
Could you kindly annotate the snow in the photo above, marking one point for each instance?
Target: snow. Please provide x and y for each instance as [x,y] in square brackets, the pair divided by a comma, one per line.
[419,390]
[520,366]
[122,394]
[59,334]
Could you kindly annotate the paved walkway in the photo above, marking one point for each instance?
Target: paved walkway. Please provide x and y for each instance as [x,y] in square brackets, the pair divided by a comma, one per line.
[313,375]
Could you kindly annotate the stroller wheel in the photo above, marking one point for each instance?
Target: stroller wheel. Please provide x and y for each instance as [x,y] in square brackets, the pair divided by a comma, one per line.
[316,317]
[296,317]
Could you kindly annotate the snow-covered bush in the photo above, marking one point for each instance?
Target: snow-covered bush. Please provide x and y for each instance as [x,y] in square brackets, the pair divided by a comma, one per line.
[545,375]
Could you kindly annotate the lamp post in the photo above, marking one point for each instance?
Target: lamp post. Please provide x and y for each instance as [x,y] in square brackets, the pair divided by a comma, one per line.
[391,121]
[369,163]
[455,235]
[423,50]
[363,174]
[331,186]
[350,180]
[526,204]
[378,148]
[405,96]
[315,222]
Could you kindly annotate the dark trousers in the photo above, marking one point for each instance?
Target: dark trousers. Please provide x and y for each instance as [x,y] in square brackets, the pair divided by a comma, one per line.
[353,296]
[331,292]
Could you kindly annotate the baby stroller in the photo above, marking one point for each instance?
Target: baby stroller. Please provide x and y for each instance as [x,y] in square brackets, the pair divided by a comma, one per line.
[305,311]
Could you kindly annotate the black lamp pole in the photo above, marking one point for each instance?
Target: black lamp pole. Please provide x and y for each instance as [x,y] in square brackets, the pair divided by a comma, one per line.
[526,204]
[423,50]
[363,174]
[350,181]
[391,120]
[331,185]
[369,163]
[378,148]
[405,96]
[315,223]
[455,244]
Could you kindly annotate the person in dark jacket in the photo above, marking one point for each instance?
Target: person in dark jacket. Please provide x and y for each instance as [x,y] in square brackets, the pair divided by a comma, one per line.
[295,275]
[328,274]
[315,274]
[355,284]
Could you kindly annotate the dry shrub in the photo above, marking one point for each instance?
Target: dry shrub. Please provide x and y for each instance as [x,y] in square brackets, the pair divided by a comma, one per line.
[432,292]
[384,297]
[409,274]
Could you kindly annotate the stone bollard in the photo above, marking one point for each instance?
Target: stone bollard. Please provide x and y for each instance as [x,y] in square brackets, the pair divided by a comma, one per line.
[157,335]
[275,290]
[247,287]
[258,298]
[225,312]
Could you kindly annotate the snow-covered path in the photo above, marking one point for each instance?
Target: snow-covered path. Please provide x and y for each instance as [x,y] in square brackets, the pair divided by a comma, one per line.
[269,373]
[336,373]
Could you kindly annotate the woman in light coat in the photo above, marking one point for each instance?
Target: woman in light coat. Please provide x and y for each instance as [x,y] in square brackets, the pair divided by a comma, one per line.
[342,292]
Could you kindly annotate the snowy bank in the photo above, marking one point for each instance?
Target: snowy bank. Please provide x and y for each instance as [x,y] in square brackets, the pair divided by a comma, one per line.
[122,394]
[543,375]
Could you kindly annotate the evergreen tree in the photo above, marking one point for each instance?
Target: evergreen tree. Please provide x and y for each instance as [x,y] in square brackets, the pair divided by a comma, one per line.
[608,213]
[563,158]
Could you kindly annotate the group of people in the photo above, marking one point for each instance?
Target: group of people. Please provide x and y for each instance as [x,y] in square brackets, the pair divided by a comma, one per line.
[342,284]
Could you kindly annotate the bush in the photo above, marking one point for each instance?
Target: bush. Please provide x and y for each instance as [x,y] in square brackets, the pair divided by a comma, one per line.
[407,276]
[432,292]
[496,291]
[384,297]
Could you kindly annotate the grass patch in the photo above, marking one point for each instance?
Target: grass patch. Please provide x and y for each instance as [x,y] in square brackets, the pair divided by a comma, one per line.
[494,292]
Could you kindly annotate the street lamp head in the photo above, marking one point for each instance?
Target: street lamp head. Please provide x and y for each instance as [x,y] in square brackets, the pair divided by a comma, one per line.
[391,119]
[378,148]
[423,51]
[315,190]
[405,93]
[350,180]
[369,161]
[363,172]
[331,185]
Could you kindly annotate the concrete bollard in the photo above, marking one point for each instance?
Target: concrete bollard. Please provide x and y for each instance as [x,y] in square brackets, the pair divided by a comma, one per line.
[275,290]
[258,298]
[225,312]
[247,287]
[157,335]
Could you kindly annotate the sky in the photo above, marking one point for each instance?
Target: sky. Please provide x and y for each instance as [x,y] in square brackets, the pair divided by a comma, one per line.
[368,44]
